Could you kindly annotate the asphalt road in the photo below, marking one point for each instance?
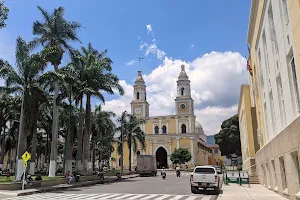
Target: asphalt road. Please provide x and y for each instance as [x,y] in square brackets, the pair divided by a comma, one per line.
[146,188]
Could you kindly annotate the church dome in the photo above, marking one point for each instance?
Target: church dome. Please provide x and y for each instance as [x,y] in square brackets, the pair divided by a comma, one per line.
[139,78]
[198,128]
[183,75]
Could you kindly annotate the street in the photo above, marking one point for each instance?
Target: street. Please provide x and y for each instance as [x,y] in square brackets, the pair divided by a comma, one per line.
[140,188]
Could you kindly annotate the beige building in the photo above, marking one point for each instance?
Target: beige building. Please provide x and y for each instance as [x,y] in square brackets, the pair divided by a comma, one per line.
[274,39]
[166,133]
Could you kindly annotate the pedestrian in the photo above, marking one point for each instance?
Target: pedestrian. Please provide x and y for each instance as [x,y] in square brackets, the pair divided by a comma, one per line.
[8,174]
[69,177]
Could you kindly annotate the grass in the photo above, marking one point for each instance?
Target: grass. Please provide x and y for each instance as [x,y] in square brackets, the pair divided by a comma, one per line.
[4,180]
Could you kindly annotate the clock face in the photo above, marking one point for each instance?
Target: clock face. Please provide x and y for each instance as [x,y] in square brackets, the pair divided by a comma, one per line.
[182,106]
[138,110]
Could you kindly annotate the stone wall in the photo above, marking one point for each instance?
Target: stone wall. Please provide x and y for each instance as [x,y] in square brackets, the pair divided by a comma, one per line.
[277,163]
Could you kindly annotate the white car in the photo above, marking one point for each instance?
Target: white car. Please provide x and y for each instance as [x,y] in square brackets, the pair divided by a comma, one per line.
[205,178]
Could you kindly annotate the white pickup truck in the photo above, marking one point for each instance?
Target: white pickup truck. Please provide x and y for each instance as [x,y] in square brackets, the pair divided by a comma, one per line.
[205,178]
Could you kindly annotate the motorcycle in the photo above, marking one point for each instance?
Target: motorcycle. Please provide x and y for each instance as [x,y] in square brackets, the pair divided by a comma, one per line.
[119,177]
[76,176]
[178,173]
[163,175]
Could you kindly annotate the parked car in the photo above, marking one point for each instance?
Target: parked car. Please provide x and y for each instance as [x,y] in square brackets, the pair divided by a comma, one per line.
[205,178]
[218,169]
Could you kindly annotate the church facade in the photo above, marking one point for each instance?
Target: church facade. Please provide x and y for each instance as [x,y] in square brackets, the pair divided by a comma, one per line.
[166,133]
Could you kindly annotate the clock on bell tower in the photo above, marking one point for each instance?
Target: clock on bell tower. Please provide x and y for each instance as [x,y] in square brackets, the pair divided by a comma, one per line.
[139,104]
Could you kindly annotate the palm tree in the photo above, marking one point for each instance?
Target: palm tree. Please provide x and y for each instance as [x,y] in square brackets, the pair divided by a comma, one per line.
[55,33]
[132,133]
[102,130]
[96,77]
[25,79]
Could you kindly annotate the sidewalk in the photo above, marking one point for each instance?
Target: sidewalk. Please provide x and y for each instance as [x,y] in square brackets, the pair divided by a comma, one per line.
[61,186]
[254,192]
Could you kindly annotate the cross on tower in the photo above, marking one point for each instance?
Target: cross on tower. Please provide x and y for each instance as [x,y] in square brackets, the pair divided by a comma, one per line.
[140,58]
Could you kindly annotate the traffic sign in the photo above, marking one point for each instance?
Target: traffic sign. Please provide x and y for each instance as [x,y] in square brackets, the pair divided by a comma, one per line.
[26,156]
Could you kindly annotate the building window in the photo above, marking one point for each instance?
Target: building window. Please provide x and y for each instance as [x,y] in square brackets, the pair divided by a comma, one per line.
[137,95]
[285,12]
[266,120]
[183,128]
[164,129]
[260,71]
[272,31]
[295,83]
[282,172]
[265,48]
[281,100]
[156,130]
[182,91]
[272,112]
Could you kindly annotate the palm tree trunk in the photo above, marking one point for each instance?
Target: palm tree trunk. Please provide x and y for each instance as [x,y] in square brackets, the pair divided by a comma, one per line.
[69,146]
[53,156]
[94,156]
[80,133]
[22,141]
[33,150]
[8,160]
[129,148]
[86,143]
[2,148]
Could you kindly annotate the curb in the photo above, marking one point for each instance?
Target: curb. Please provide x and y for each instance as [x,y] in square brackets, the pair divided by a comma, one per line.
[66,187]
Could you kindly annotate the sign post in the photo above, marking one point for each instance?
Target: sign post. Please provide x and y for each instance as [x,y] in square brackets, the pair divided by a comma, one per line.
[26,156]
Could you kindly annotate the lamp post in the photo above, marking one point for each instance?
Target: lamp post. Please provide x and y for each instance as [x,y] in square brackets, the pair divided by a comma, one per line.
[122,155]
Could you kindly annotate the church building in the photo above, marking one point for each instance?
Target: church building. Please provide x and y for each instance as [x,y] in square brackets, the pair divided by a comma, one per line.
[166,133]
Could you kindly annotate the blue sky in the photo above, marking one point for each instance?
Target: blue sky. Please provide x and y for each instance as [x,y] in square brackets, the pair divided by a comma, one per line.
[181,29]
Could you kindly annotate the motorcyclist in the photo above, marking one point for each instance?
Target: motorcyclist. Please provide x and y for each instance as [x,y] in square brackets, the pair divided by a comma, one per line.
[163,171]
[177,170]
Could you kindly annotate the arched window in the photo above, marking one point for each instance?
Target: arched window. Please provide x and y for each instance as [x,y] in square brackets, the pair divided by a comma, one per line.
[164,129]
[156,130]
[138,153]
[137,95]
[182,91]
[183,128]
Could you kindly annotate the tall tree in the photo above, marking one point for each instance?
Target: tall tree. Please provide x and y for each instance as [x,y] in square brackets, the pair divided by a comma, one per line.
[133,134]
[96,77]
[102,130]
[228,138]
[55,33]
[3,14]
[23,78]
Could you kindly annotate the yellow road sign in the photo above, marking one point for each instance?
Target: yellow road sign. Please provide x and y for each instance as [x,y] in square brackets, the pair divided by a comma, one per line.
[26,156]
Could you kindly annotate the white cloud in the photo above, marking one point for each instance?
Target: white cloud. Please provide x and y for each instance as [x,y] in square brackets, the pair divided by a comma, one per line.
[215,82]
[192,45]
[149,28]
[151,48]
[132,62]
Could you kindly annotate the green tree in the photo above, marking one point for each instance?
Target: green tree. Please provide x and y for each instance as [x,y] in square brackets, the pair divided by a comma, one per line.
[96,77]
[25,78]
[228,138]
[3,14]
[55,33]
[132,133]
[181,156]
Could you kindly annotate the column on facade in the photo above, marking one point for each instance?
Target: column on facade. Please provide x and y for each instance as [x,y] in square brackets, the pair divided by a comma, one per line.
[151,151]
[160,131]
[192,148]
[190,125]
[177,142]
[176,126]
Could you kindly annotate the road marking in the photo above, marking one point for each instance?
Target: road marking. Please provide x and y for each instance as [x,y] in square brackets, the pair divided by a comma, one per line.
[108,196]
[177,197]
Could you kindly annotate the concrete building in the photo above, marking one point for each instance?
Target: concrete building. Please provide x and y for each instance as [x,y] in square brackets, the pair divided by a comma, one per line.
[166,133]
[274,39]
[248,130]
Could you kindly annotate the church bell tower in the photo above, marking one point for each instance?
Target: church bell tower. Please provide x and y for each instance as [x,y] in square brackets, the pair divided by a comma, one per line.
[139,104]
[184,102]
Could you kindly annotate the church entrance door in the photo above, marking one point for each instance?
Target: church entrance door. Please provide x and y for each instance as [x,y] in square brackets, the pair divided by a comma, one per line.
[161,158]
